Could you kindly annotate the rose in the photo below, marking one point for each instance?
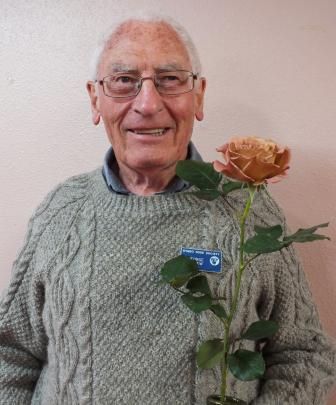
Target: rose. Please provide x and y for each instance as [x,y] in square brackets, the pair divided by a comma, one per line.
[253,160]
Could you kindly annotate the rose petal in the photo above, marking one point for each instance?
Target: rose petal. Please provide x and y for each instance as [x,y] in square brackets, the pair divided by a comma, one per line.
[222,148]
[232,171]
[240,161]
[259,170]
[275,179]
[219,166]
[283,157]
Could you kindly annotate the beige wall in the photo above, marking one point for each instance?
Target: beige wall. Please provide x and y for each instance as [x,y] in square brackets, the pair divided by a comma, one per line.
[271,72]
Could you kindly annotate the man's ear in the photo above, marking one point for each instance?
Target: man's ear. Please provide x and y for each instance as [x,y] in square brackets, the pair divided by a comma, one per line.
[91,88]
[200,99]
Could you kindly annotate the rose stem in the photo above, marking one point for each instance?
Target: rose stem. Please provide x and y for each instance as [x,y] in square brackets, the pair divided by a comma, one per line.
[233,307]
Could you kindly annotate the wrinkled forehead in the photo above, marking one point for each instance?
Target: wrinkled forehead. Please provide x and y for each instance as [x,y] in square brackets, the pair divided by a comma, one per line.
[154,42]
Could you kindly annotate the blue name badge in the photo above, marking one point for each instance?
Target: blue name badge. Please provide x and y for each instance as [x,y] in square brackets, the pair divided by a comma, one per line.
[207,260]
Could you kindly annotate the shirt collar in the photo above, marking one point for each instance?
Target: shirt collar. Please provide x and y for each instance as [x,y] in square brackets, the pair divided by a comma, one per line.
[110,173]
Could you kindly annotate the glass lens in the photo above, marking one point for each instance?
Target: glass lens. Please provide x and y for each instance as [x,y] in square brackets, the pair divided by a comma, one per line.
[121,85]
[175,82]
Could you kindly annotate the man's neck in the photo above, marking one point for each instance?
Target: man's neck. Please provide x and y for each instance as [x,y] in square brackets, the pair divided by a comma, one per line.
[146,182]
[171,183]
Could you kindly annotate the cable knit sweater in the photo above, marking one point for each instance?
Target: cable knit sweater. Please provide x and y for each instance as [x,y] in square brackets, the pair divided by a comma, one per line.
[83,320]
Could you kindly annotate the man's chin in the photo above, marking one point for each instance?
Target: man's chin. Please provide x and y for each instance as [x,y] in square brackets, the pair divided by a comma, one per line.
[149,164]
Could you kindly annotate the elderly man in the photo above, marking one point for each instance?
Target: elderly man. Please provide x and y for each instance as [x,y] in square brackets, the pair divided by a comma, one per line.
[83,320]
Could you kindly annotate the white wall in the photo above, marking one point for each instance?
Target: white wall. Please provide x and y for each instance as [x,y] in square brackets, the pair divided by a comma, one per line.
[271,72]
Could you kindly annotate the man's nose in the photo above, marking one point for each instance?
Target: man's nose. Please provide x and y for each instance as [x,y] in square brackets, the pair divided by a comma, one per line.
[148,101]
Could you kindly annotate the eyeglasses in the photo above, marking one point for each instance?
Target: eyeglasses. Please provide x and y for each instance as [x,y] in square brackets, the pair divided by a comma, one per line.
[170,83]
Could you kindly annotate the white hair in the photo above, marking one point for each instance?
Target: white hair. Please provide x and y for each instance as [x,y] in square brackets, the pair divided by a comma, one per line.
[147,17]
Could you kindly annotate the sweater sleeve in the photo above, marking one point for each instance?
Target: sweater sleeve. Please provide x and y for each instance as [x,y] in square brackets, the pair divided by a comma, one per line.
[22,337]
[300,358]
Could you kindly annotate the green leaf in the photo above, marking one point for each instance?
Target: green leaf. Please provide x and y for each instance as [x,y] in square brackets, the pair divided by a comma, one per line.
[209,353]
[219,311]
[273,232]
[260,330]
[246,365]
[199,284]
[179,270]
[306,235]
[208,195]
[197,304]
[265,240]
[200,174]
[232,185]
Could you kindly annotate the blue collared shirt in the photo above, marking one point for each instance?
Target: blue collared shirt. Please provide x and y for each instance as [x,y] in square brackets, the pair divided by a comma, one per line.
[110,173]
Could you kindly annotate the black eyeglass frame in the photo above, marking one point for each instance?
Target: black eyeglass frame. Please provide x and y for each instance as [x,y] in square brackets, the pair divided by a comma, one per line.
[191,74]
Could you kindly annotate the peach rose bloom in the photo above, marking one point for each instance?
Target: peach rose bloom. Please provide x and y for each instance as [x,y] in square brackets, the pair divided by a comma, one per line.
[253,160]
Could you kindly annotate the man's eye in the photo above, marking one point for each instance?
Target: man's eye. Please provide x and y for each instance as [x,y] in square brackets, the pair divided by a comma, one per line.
[169,78]
[125,79]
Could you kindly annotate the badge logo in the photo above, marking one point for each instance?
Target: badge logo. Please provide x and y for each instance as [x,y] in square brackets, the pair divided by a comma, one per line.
[214,260]
[207,260]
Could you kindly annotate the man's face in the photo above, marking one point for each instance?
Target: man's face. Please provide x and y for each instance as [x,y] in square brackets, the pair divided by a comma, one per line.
[130,123]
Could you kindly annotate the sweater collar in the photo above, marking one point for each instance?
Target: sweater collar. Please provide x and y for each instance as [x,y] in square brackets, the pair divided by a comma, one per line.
[110,173]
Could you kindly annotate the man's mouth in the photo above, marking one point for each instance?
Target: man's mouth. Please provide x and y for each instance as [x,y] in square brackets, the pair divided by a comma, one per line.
[150,131]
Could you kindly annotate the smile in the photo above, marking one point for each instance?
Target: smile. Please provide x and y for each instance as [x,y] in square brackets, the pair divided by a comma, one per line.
[151,132]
